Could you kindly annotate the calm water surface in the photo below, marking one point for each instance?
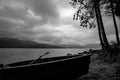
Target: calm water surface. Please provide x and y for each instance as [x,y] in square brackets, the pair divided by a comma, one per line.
[15,55]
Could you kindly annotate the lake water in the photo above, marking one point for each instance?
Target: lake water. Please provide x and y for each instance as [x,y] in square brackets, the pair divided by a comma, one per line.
[15,55]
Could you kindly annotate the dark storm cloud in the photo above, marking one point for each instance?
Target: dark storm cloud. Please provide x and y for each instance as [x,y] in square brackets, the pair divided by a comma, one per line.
[8,29]
[45,21]
[46,8]
[11,15]
[4,25]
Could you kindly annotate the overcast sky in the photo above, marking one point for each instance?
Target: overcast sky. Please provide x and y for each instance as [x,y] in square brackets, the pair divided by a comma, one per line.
[47,21]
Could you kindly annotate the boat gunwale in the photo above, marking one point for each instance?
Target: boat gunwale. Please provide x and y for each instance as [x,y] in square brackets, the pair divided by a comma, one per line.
[74,56]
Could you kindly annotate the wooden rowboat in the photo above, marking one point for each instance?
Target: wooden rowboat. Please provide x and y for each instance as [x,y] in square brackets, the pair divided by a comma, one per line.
[54,68]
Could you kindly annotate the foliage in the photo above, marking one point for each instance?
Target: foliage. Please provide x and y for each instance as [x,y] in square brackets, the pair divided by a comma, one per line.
[107,8]
[85,12]
[88,11]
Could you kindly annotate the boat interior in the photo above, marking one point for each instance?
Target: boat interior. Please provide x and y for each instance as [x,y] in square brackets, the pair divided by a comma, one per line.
[39,60]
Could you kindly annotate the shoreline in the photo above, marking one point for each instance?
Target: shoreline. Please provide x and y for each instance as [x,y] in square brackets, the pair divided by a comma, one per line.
[100,69]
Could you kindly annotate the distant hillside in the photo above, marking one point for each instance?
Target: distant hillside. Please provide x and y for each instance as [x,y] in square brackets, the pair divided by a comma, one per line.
[92,46]
[71,46]
[80,46]
[15,43]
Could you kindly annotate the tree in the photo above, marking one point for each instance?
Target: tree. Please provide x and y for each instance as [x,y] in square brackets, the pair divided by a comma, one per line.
[99,28]
[114,20]
[117,8]
[96,4]
[110,7]
[86,10]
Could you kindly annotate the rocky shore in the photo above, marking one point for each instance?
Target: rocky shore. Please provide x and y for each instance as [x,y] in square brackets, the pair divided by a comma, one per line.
[105,67]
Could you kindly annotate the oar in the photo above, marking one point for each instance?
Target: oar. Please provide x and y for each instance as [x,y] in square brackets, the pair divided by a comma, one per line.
[43,55]
[39,57]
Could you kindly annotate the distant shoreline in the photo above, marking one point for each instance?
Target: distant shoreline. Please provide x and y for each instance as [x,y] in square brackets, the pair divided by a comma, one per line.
[15,43]
[44,48]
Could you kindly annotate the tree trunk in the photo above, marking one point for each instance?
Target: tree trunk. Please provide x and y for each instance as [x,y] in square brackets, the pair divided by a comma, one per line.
[101,23]
[100,37]
[99,27]
[115,24]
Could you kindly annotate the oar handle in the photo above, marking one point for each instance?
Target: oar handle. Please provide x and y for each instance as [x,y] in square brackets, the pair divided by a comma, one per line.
[39,58]
[44,54]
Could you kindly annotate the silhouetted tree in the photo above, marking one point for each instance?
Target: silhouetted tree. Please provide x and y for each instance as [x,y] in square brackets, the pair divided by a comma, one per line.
[99,28]
[86,14]
[96,4]
[117,8]
[110,10]
[114,20]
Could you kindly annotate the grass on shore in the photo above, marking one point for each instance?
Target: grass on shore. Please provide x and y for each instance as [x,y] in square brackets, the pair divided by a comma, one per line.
[104,65]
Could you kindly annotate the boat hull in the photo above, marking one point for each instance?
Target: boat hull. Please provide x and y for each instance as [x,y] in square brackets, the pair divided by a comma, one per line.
[63,69]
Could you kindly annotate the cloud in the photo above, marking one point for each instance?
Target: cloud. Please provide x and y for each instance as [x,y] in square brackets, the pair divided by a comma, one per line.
[63,33]
[48,21]
[44,7]
[66,12]
[25,14]
[109,25]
